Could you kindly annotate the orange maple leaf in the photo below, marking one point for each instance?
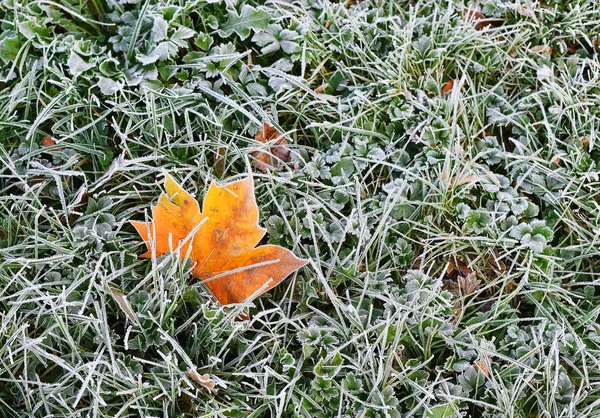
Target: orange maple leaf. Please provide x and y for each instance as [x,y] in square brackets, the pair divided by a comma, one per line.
[221,239]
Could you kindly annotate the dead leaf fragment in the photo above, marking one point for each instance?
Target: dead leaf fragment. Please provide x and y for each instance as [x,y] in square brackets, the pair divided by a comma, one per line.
[527,12]
[462,268]
[495,262]
[465,286]
[448,86]
[123,303]
[483,366]
[478,18]
[321,88]
[542,49]
[461,179]
[277,153]
[221,239]
[585,140]
[203,380]
[469,285]
[48,141]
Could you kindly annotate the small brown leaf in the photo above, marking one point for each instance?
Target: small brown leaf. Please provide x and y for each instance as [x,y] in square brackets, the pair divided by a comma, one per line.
[463,268]
[481,22]
[277,153]
[481,365]
[460,180]
[495,262]
[123,303]
[525,11]
[542,49]
[469,285]
[203,380]
[465,286]
[448,86]
[220,161]
[321,88]
[585,140]
[48,141]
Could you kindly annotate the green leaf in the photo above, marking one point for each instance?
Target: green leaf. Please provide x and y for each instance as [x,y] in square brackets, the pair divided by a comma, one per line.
[307,350]
[249,19]
[30,29]
[108,86]
[203,41]
[441,411]
[9,48]
[78,65]
[159,30]
[275,38]
[211,22]
[180,36]
[343,167]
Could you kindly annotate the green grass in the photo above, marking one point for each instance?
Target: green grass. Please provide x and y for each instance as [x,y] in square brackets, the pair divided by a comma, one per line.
[453,237]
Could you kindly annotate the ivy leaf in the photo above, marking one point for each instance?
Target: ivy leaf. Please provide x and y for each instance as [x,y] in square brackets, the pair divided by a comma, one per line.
[249,19]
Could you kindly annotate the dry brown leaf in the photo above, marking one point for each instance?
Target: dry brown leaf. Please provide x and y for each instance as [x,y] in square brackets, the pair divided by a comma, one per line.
[123,303]
[203,380]
[527,12]
[479,19]
[220,161]
[585,140]
[321,88]
[277,153]
[469,285]
[48,141]
[481,365]
[464,286]
[463,268]
[448,86]
[543,49]
[223,238]
[460,180]
[495,262]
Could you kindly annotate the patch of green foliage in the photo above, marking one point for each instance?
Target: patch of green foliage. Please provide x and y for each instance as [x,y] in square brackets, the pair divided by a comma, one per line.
[443,182]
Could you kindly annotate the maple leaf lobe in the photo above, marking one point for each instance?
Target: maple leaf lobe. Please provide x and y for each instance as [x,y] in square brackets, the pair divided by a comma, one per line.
[177,214]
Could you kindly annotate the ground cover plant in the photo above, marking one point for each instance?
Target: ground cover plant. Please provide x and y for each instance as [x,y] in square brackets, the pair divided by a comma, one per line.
[436,163]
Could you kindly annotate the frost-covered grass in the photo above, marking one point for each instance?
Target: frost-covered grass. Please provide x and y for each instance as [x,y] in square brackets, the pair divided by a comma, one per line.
[443,183]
